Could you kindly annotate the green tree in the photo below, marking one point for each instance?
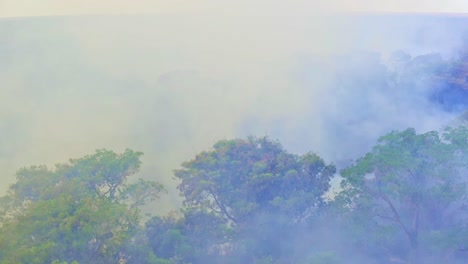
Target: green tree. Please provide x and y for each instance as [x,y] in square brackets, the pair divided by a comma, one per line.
[83,211]
[191,236]
[259,190]
[407,197]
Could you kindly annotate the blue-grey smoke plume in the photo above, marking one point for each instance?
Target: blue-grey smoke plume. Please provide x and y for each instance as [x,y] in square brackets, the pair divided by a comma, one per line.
[170,86]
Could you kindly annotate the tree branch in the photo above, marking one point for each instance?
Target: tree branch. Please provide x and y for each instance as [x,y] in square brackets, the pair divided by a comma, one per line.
[387,200]
[222,207]
[386,217]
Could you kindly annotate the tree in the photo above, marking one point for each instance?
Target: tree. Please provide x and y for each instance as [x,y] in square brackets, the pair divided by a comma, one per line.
[408,195]
[83,211]
[258,189]
[191,236]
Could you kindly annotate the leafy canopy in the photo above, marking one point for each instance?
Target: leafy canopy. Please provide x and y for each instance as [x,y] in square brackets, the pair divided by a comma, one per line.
[410,190]
[83,211]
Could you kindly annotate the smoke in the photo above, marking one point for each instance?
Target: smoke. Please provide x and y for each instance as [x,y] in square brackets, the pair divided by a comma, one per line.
[172,85]
[10,8]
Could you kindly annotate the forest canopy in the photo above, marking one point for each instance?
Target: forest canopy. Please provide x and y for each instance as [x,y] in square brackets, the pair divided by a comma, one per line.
[249,201]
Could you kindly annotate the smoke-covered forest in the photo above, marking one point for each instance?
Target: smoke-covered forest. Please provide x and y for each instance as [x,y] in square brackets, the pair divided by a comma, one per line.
[267,142]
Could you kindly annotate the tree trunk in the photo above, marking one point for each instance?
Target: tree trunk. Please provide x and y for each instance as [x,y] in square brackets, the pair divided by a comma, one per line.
[414,257]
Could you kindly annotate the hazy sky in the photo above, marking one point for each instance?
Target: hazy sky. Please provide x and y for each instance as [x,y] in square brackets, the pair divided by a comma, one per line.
[171,86]
[10,8]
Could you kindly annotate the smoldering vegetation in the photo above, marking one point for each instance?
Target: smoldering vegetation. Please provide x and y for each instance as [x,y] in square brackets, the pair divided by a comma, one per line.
[327,87]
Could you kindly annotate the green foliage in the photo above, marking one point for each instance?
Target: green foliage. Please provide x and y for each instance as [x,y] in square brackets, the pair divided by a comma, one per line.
[413,183]
[257,189]
[248,201]
[84,211]
[64,262]
[189,237]
[240,178]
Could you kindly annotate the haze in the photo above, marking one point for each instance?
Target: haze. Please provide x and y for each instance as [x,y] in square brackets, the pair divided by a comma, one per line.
[170,85]
[9,8]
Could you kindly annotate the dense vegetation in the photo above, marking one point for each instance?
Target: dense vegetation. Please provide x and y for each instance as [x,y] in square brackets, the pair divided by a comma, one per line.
[249,201]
